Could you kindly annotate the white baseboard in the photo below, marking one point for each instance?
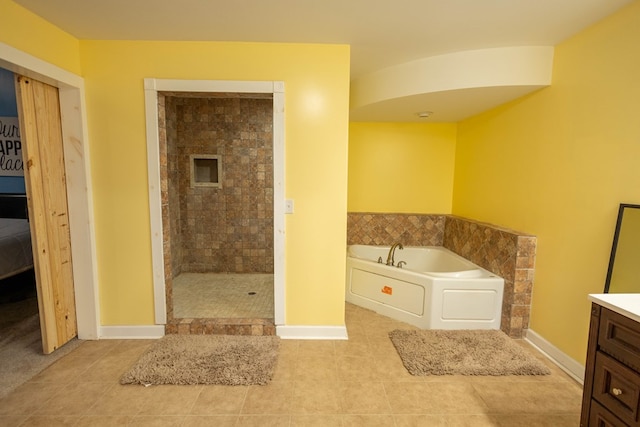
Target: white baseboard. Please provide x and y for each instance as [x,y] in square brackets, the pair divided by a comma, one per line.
[131,332]
[284,332]
[312,332]
[564,362]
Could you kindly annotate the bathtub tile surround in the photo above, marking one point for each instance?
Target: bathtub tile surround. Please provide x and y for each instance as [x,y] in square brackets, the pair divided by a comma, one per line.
[507,253]
[387,229]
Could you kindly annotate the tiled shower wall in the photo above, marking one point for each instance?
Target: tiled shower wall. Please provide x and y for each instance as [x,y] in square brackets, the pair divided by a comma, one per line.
[172,193]
[227,229]
[172,252]
[507,253]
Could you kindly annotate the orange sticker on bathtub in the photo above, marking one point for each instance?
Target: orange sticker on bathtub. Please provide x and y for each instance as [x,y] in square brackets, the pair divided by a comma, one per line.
[387,290]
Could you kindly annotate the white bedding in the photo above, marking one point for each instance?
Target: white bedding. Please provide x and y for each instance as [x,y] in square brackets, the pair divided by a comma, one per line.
[15,247]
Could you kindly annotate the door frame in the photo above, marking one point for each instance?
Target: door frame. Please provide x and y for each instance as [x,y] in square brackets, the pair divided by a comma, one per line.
[151,88]
[77,168]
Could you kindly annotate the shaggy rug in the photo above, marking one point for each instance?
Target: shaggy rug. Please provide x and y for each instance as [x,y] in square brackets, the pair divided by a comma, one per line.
[464,352]
[206,359]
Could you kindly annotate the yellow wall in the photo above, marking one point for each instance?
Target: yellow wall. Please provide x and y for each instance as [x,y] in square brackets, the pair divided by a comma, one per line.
[31,34]
[401,167]
[316,91]
[316,79]
[557,164]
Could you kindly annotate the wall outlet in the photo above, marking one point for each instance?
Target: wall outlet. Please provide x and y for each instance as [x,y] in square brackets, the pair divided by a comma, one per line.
[288,206]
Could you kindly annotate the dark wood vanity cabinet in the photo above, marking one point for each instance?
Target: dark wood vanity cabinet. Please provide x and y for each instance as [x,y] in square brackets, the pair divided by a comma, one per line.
[611,396]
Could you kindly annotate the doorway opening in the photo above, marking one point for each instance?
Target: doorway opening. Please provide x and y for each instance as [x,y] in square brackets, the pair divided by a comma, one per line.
[219,210]
[72,119]
[216,165]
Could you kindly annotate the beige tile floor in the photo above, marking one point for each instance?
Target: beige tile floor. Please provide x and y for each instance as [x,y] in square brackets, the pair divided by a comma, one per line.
[359,382]
[217,295]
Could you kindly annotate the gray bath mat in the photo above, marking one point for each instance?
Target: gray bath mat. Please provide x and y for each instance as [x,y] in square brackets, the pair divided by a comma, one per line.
[206,359]
[464,352]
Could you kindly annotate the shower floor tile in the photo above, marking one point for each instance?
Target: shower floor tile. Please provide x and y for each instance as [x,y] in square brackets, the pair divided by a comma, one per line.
[221,295]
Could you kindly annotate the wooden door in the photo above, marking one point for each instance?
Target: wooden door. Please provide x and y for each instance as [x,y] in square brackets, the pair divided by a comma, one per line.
[39,112]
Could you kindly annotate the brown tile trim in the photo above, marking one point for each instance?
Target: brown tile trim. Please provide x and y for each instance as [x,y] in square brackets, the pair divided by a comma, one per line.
[219,326]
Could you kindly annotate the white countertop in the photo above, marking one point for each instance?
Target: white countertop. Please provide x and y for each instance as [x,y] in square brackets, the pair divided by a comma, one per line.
[627,305]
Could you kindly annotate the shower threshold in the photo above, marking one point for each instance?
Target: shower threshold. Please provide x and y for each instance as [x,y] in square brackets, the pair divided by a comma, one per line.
[222,303]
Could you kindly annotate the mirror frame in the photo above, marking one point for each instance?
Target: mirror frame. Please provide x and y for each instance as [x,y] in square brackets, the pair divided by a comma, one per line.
[614,246]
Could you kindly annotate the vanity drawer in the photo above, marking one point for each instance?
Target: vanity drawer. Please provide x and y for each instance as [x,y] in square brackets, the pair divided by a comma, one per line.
[617,388]
[619,336]
[600,417]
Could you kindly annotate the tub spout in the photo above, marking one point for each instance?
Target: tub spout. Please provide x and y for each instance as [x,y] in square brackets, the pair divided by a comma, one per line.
[390,257]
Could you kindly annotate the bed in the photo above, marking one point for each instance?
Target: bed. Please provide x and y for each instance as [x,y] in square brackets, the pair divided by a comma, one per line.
[15,236]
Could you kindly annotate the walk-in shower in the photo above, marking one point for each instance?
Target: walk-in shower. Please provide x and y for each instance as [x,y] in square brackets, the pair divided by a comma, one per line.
[216,168]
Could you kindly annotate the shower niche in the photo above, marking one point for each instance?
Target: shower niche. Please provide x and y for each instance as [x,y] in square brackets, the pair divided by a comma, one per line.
[206,170]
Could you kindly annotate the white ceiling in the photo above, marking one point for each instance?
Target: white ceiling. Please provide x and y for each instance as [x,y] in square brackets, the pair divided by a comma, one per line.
[381,33]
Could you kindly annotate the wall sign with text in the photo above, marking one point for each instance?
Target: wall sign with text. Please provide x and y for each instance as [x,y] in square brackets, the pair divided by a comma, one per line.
[10,147]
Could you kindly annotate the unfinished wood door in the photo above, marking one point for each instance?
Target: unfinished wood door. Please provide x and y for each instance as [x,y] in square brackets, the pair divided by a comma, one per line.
[39,112]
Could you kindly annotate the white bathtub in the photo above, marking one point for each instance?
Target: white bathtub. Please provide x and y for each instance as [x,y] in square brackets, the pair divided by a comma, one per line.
[435,289]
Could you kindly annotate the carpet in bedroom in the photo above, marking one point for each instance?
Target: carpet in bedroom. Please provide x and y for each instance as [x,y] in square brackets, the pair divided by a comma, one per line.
[21,356]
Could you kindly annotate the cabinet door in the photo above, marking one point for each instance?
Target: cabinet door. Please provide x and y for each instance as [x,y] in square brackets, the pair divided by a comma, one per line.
[617,388]
[619,336]
[600,417]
